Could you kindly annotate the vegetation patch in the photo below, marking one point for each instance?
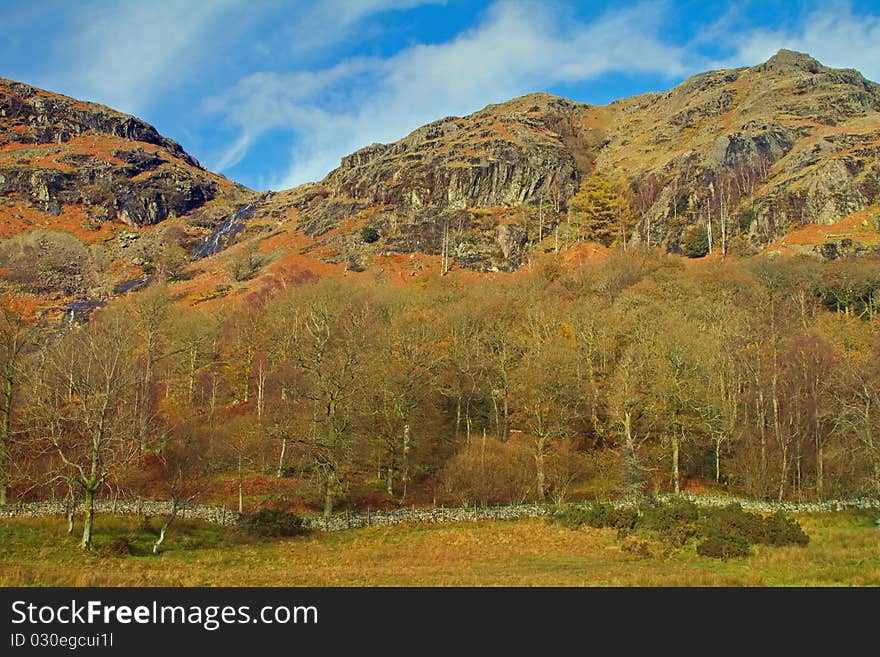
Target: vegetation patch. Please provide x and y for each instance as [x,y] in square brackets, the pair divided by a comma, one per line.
[721,533]
[272,523]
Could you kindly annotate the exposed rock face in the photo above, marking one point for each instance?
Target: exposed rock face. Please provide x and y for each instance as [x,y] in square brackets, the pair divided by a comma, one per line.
[790,141]
[505,155]
[34,116]
[56,151]
[769,148]
[755,152]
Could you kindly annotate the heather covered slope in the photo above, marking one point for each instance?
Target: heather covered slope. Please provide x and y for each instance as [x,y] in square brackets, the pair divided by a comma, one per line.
[745,157]
[767,149]
[99,192]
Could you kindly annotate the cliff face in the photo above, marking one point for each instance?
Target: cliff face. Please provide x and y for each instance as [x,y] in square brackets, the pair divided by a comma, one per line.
[94,202]
[779,145]
[749,155]
[503,156]
[767,149]
[57,152]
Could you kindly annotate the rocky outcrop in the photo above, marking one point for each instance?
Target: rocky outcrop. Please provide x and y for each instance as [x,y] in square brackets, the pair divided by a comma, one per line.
[58,151]
[768,148]
[112,192]
[32,116]
[784,143]
[502,156]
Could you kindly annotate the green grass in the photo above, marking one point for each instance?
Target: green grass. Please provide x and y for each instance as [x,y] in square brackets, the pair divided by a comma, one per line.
[844,550]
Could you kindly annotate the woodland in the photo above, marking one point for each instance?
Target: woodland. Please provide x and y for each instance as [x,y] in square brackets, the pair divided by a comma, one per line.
[627,375]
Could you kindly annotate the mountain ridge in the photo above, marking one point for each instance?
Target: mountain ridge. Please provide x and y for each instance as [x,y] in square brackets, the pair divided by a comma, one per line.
[736,157]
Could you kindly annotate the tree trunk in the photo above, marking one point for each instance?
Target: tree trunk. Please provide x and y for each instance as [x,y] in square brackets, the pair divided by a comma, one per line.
[328,495]
[405,474]
[675,474]
[240,486]
[783,473]
[632,470]
[4,436]
[539,468]
[89,508]
[71,513]
[157,546]
[280,472]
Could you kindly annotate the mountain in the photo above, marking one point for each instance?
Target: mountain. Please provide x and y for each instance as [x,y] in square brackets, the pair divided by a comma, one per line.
[773,147]
[88,195]
[751,158]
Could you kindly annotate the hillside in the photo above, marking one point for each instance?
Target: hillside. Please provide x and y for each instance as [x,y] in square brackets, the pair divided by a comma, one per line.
[744,157]
[769,148]
[90,197]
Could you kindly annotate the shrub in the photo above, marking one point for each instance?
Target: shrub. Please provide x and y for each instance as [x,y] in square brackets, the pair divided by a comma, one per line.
[675,522]
[117,547]
[724,546]
[369,235]
[605,515]
[492,473]
[695,243]
[732,525]
[599,516]
[272,523]
[247,263]
[746,217]
[666,517]
[779,529]
[571,517]
[732,519]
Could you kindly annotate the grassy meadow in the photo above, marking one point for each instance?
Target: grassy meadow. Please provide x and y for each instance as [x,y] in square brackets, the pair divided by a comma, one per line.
[844,550]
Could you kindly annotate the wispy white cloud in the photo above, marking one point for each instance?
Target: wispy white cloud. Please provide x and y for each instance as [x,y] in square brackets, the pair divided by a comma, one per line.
[322,24]
[516,48]
[126,54]
[835,35]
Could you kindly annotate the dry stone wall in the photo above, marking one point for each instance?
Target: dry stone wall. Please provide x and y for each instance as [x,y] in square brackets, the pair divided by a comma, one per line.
[353,520]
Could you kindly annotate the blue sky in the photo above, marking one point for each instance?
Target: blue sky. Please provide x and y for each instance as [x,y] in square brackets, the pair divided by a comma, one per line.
[272,93]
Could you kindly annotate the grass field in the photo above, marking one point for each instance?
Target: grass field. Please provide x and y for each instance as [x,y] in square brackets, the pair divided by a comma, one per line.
[844,550]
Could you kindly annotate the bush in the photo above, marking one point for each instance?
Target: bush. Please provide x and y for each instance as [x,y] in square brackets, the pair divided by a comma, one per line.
[369,235]
[606,515]
[746,217]
[599,515]
[117,547]
[695,243]
[724,546]
[669,516]
[725,532]
[732,519]
[571,517]
[732,525]
[493,473]
[247,263]
[272,523]
[779,530]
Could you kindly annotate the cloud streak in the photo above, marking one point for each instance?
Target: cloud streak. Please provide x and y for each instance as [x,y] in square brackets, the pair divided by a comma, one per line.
[516,48]
[835,35]
[127,54]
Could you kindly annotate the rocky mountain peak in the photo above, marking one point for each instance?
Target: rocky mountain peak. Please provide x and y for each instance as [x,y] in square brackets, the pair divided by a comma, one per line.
[781,144]
[788,61]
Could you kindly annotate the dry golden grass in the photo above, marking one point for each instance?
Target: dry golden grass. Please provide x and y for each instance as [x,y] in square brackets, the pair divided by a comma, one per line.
[844,550]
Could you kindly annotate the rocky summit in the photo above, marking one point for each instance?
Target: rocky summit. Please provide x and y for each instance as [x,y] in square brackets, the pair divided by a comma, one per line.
[755,151]
[738,158]
[56,152]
